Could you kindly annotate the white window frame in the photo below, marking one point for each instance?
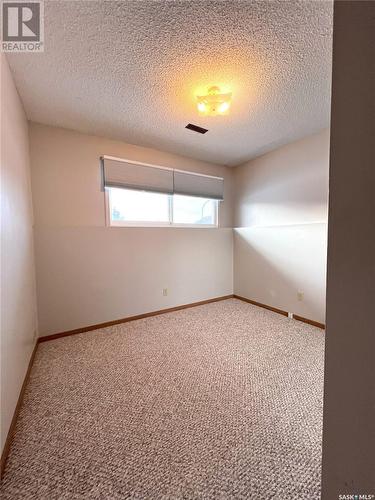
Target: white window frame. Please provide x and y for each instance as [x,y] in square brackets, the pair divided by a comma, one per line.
[122,223]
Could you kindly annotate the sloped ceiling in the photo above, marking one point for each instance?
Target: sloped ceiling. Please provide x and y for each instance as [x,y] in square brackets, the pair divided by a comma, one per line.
[130,70]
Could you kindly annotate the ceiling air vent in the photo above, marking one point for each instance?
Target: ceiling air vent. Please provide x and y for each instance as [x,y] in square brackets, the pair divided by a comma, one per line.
[195,128]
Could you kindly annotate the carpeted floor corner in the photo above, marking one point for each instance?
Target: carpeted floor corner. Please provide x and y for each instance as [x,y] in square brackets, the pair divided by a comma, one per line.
[221,401]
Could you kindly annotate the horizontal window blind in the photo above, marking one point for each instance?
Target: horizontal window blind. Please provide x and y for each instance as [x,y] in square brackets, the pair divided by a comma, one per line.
[126,174]
[193,184]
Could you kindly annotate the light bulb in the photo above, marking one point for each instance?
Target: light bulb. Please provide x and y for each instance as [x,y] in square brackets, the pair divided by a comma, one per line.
[223,107]
[202,107]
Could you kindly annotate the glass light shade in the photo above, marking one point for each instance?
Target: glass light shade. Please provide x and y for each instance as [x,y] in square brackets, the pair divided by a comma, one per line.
[214,103]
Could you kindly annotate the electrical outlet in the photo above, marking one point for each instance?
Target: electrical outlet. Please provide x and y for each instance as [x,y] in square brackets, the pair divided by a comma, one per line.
[300,295]
[165,292]
[290,315]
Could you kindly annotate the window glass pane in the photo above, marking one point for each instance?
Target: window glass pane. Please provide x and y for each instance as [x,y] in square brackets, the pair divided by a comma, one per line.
[138,206]
[192,210]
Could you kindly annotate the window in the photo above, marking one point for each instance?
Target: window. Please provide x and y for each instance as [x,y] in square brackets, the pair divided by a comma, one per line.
[194,210]
[141,194]
[129,207]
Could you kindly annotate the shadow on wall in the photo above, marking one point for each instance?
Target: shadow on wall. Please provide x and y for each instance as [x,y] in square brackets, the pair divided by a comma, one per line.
[280,244]
[273,264]
[287,186]
[285,200]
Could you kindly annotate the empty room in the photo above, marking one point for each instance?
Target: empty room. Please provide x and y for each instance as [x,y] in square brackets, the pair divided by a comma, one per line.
[187,249]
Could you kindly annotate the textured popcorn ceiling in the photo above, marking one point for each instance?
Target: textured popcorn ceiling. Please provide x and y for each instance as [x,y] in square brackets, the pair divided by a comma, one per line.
[130,70]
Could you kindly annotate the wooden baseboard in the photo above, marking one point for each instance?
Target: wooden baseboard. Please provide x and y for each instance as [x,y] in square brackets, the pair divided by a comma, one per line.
[8,441]
[309,321]
[281,311]
[129,318]
[172,309]
[259,304]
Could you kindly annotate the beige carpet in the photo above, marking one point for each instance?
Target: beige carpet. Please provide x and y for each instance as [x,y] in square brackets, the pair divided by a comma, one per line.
[222,401]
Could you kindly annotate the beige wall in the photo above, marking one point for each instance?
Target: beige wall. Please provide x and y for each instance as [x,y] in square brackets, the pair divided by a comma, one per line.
[88,273]
[66,175]
[18,298]
[280,226]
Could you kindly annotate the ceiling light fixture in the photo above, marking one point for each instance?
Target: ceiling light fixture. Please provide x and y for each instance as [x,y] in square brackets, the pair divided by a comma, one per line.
[214,103]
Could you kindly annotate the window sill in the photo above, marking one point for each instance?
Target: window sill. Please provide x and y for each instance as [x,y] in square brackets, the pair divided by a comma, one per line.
[163,226]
